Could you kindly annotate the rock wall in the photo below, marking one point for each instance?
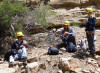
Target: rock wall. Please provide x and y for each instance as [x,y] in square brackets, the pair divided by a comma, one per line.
[68,3]
[72,10]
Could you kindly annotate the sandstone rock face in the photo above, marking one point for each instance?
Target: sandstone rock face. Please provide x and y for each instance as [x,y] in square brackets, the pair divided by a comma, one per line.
[63,3]
[76,15]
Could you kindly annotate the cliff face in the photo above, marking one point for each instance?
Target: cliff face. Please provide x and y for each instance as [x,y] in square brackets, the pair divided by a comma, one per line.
[72,10]
[69,3]
[66,3]
[73,3]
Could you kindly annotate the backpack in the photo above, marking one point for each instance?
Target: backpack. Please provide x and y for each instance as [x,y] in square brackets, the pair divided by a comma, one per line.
[71,47]
[53,51]
[83,45]
[8,54]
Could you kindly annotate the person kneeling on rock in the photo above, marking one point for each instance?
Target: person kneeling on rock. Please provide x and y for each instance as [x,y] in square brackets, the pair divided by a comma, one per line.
[68,37]
[18,48]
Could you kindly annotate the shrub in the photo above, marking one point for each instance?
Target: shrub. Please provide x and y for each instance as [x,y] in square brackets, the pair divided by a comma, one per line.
[9,9]
[41,12]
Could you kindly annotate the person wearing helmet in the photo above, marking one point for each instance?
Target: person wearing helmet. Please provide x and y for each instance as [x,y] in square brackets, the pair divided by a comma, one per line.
[67,35]
[90,30]
[19,48]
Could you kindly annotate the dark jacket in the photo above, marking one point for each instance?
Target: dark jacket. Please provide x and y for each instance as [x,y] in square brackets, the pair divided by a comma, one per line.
[90,26]
[16,45]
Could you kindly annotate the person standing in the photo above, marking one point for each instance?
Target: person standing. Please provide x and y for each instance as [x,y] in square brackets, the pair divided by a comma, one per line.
[90,31]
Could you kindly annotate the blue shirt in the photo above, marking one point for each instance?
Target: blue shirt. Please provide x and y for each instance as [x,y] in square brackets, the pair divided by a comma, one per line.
[71,30]
[90,26]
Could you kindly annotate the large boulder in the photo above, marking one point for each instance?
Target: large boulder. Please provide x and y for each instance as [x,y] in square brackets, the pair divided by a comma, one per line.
[63,3]
[64,64]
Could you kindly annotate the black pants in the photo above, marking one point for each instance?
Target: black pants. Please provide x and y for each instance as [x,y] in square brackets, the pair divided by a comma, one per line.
[66,42]
[90,39]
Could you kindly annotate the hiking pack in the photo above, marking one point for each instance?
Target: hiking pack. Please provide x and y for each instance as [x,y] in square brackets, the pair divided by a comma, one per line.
[9,53]
[82,45]
[53,51]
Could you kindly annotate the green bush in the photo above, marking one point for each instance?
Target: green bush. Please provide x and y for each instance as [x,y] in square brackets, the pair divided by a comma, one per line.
[9,9]
[76,24]
[41,13]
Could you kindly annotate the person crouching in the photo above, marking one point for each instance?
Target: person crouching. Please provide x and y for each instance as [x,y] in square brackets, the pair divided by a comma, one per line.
[68,38]
[19,48]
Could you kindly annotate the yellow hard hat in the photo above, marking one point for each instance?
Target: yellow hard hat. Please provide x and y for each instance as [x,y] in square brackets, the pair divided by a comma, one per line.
[89,10]
[67,23]
[19,34]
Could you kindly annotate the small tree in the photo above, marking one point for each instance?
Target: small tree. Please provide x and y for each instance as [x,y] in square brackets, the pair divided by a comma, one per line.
[41,13]
[9,9]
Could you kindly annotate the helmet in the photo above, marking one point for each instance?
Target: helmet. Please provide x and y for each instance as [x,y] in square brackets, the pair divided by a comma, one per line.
[67,23]
[19,34]
[89,10]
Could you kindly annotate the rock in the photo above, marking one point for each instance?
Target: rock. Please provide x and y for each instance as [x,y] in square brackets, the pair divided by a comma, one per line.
[63,49]
[98,21]
[98,52]
[30,60]
[1,62]
[77,70]
[98,70]
[43,66]
[97,57]
[60,71]
[64,64]
[73,66]
[92,61]
[86,71]
[33,65]
[71,15]
[99,63]
[59,30]
[60,3]
[4,69]
[36,65]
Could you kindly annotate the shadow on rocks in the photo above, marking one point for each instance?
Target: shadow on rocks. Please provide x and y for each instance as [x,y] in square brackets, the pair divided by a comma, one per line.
[80,55]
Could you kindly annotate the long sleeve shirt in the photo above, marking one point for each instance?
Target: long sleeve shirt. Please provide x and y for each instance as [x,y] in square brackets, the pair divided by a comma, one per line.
[71,30]
[90,26]
[16,45]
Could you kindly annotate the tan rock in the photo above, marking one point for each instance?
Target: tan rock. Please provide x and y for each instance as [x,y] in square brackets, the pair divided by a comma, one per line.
[64,64]
[59,30]
[98,69]
[78,70]
[4,69]
[33,65]
[97,57]
[92,61]
[60,71]
[73,66]
[30,60]
[59,3]
[86,71]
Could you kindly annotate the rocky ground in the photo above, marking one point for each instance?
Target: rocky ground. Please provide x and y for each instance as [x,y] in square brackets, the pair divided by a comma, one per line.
[40,62]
